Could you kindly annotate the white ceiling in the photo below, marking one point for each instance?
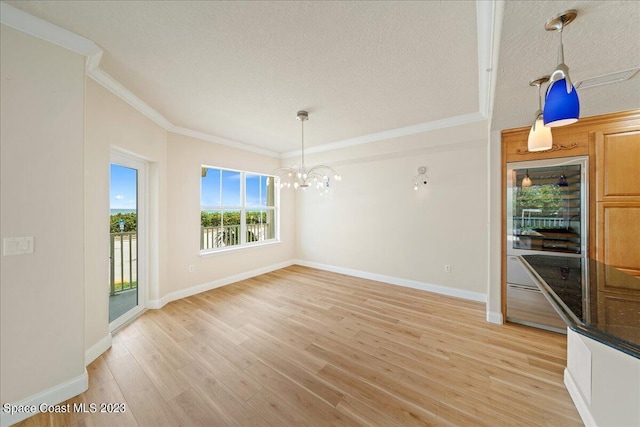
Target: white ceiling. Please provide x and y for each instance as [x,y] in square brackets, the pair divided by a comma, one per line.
[241,70]
[604,38]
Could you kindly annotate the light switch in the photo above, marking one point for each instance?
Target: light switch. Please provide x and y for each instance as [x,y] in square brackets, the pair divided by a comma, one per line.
[17,245]
[24,246]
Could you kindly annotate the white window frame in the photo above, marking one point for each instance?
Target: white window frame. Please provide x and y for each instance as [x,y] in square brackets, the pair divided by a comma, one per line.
[129,160]
[243,212]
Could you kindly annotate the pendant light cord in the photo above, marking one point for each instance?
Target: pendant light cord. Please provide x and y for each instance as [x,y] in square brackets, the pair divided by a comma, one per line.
[561,48]
[539,97]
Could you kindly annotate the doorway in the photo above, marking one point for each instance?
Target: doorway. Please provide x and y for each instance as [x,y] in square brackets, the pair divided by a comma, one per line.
[127,233]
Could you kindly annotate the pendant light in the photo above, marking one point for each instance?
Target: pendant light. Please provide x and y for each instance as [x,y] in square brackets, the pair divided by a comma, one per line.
[298,176]
[540,138]
[526,181]
[562,181]
[561,106]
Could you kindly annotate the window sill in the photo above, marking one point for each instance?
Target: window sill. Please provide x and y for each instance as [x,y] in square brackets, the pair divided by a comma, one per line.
[210,252]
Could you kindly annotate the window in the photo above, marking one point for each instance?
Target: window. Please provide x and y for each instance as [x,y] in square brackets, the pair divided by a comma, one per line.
[236,208]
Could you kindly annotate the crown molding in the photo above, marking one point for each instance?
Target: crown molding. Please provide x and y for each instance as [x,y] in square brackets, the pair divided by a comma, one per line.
[93,62]
[45,30]
[393,133]
[223,141]
[489,21]
[112,85]
[489,26]
[126,95]
[52,33]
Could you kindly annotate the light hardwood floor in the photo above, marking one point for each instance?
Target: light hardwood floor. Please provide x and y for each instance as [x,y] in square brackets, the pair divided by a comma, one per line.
[300,346]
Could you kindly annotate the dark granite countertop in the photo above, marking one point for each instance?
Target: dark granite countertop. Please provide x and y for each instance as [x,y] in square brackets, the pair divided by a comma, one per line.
[594,299]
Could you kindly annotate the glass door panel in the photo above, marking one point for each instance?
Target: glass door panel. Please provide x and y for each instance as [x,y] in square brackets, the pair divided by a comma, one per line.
[123,231]
[547,212]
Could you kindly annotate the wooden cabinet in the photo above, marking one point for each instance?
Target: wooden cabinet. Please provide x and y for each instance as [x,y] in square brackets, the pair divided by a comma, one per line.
[617,204]
[618,166]
[614,301]
[612,142]
[565,144]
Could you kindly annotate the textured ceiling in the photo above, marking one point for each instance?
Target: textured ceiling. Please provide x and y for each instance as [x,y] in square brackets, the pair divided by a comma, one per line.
[241,70]
[604,38]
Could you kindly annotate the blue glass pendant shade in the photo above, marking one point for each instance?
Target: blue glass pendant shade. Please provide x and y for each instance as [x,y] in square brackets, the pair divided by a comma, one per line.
[561,108]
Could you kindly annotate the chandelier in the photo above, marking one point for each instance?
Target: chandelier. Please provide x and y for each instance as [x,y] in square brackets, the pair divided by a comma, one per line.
[298,176]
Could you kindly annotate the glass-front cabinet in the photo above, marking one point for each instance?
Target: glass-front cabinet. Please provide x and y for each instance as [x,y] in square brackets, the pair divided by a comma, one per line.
[546,206]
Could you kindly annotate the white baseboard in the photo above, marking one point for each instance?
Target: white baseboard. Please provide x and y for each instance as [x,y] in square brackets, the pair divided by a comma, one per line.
[52,396]
[97,349]
[495,317]
[459,293]
[576,396]
[183,293]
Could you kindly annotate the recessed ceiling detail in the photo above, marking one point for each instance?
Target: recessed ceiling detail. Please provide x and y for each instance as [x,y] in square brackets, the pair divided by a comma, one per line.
[607,79]
[231,72]
[227,71]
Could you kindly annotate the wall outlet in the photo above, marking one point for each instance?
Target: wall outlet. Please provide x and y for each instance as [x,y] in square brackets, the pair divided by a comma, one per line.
[192,268]
[447,268]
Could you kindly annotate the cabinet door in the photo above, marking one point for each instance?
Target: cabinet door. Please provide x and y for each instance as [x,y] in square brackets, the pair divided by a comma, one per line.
[618,167]
[618,200]
[618,235]
[526,304]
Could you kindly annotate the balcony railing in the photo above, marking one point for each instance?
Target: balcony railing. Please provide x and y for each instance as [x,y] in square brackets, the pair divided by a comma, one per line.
[229,235]
[533,222]
[124,262]
[542,222]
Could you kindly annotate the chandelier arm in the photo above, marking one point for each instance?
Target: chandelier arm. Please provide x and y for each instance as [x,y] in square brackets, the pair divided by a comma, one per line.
[318,167]
[316,171]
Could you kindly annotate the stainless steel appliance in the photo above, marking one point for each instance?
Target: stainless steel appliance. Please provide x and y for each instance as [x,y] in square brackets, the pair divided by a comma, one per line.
[546,214]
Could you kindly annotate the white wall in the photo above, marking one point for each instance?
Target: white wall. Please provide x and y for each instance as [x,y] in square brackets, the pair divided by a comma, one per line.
[375,222]
[186,155]
[57,139]
[112,123]
[603,382]
[174,187]
[42,195]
